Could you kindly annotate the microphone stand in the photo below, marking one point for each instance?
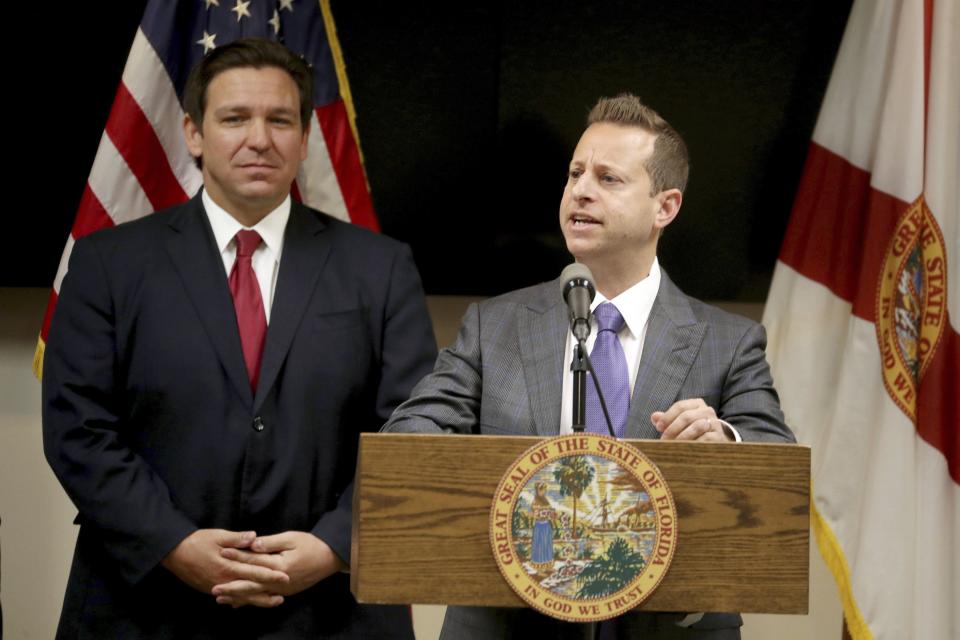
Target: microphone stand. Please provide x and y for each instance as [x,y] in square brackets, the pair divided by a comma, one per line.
[579,368]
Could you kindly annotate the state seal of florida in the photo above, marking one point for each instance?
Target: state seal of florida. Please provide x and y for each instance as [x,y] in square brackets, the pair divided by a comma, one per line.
[911,306]
[583,527]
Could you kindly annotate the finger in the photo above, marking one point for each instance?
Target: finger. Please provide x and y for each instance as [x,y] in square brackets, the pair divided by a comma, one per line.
[267,560]
[667,417]
[256,573]
[238,588]
[656,417]
[235,539]
[264,600]
[275,543]
[673,430]
[698,410]
[714,435]
[695,430]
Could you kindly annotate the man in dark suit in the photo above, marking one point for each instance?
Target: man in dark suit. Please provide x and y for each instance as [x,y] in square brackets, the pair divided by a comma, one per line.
[208,371]
[678,369]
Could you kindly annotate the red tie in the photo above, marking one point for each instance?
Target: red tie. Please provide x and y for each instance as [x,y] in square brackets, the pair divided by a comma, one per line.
[248,302]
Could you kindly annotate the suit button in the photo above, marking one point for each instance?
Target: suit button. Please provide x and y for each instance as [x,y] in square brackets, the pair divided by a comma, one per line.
[258,424]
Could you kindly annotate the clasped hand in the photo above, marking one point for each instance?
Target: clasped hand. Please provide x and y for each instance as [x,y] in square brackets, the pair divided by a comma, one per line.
[690,419]
[240,569]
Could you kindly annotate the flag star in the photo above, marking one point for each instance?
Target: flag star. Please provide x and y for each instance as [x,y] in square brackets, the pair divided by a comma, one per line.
[286,4]
[212,3]
[207,41]
[241,9]
[275,21]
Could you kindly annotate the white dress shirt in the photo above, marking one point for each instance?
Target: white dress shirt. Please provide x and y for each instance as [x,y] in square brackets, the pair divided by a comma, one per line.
[266,259]
[634,305]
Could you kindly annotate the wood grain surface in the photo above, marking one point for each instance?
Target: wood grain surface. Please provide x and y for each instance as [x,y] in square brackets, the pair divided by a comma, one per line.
[421,522]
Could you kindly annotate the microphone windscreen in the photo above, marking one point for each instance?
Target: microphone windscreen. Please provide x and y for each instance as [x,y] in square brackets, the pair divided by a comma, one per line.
[573,272]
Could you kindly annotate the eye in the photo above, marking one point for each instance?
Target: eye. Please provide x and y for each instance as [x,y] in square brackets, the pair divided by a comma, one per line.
[282,121]
[609,178]
[573,174]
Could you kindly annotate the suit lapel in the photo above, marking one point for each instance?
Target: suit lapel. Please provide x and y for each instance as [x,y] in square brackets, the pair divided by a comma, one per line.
[543,334]
[193,250]
[670,348]
[305,251]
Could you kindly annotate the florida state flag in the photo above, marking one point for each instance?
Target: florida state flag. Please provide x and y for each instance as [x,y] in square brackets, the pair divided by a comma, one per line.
[863,315]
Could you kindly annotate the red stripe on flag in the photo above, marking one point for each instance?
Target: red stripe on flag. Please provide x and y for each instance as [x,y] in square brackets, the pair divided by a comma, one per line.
[48,315]
[134,137]
[840,229]
[91,216]
[345,157]
[938,400]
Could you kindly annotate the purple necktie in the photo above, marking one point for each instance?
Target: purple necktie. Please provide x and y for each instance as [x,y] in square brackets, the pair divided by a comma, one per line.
[610,365]
[251,318]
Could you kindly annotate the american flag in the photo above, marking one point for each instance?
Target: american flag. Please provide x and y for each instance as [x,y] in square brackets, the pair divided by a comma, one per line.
[142,164]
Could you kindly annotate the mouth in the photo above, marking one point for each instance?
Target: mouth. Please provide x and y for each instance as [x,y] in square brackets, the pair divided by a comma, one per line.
[580,220]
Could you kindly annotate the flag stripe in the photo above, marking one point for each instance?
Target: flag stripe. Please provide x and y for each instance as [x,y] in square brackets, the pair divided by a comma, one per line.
[317,179]
[868,111]
[134,137]
[345,158]
[115,186]
[91,215]
[147,81]
[64,261]
[843,251]
[938,401]
[47,316]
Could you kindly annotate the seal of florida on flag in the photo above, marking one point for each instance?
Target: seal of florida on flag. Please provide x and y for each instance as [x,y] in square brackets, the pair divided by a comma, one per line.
[863,315]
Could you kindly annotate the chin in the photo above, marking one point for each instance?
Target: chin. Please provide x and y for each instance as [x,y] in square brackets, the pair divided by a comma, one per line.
[579,251]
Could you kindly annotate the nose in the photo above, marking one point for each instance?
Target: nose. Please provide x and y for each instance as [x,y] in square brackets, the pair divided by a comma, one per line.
[583,187]
[258,134]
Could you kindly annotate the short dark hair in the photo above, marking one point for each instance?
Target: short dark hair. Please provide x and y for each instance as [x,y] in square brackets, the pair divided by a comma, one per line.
[669,164]
[247,52]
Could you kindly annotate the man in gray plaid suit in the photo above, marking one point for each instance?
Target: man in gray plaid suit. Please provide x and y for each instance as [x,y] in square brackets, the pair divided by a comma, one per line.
[694,372]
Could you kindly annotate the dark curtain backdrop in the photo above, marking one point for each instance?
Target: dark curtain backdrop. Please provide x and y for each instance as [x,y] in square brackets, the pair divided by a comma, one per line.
[468,113]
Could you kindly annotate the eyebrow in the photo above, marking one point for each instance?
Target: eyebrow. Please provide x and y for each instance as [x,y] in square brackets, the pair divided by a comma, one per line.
[606,166]
[232,108]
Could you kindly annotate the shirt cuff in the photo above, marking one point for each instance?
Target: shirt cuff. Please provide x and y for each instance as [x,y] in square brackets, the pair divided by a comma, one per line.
[731,431]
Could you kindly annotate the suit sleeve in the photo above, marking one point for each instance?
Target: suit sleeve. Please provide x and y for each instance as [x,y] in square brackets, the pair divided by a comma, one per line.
[749,401]
[407,352]
[447,400]
[113,488]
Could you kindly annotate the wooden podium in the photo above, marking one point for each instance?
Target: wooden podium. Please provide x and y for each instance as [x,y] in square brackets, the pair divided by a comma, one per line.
[421,522]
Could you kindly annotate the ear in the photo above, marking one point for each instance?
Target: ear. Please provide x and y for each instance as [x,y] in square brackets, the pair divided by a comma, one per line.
[193,136]
[670,201]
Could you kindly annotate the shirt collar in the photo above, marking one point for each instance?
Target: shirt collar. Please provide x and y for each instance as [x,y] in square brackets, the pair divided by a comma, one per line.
[636,302]
[225,226]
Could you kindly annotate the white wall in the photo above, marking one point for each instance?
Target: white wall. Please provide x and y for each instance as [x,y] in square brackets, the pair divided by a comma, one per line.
[36,537]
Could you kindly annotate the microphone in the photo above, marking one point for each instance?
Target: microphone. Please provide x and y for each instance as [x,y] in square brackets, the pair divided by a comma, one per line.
[578,292]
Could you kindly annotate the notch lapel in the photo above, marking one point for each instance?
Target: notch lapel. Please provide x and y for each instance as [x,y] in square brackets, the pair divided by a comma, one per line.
[192,249]
[542,335]
[670,348]
[305,251]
